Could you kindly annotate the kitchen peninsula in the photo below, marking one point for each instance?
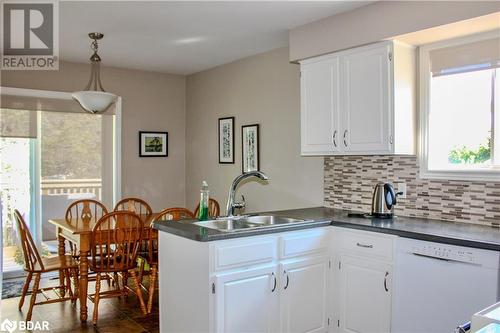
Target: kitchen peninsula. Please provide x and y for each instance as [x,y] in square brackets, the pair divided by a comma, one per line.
[311,274]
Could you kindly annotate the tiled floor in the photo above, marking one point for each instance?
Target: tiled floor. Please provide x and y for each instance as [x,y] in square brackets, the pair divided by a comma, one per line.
[115,315]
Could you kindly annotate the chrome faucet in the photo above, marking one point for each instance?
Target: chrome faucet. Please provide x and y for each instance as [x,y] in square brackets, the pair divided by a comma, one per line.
[231,205]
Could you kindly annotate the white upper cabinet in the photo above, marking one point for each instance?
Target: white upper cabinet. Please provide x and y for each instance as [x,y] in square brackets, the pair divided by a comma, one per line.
[320,107]
[365,100]
[359,101]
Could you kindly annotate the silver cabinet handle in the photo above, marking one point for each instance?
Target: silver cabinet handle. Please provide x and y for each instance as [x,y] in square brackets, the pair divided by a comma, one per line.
[287,280]
[274,287]
[391,139]
[345,142]
[385,281]
[370,246]
[334,139]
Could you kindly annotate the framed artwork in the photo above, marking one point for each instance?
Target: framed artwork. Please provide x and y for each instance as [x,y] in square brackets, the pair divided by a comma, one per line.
[226,140]
[153,144]
[250,147]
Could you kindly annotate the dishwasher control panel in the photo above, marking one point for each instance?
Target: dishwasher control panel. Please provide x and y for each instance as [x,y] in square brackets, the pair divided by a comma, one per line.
[442,251]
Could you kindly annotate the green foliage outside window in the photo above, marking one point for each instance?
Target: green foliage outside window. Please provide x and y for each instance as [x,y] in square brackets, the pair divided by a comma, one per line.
[71,145]
[464,155]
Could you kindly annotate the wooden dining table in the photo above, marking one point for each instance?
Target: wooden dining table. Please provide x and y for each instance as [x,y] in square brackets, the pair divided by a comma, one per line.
[79,232]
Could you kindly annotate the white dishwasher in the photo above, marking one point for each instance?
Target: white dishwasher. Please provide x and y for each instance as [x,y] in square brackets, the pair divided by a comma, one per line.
[439,286]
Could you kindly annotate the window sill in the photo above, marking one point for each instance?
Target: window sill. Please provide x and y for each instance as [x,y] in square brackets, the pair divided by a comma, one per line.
[464,175]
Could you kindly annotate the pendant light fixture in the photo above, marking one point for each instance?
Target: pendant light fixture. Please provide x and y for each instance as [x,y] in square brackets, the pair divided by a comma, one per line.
[93,98]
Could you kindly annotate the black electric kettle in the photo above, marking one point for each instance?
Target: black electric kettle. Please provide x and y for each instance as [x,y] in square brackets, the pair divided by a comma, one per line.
[384,199]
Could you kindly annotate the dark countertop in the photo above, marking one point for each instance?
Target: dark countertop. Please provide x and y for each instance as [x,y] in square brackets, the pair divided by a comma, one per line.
[455,233]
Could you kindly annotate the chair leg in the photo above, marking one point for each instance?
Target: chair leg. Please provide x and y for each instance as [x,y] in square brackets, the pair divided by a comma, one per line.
[125,283]
[115,281]
[62,289]
[142,265]
[152,283]
[74,272]
[108,278]
[96,298]
[25,289]
[33,295]
[138,291]
[68,283]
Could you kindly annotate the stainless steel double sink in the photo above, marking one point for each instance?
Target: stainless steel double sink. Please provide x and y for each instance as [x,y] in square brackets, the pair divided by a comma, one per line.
[248,222]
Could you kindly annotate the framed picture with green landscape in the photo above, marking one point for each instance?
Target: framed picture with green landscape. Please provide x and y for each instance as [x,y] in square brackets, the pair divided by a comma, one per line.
[153,144]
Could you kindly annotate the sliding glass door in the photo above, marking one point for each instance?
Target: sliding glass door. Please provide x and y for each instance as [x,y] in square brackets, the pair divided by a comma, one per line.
[75,163]
[48,159]
[16,185]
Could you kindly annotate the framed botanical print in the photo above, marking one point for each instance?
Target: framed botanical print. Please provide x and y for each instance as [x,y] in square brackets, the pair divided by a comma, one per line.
[226,140]
[250,147]
[153,144]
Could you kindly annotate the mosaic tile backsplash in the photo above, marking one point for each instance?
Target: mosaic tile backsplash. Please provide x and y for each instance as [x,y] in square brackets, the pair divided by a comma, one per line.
[349,182]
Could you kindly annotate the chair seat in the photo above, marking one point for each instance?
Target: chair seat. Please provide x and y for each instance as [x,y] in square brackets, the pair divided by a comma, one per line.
[56,263]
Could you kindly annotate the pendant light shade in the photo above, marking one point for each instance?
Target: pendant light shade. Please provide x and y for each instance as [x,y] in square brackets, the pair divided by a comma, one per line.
[94,98]
[94,101]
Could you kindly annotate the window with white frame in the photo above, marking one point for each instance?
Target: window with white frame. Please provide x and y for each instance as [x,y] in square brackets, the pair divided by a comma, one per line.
[460,111]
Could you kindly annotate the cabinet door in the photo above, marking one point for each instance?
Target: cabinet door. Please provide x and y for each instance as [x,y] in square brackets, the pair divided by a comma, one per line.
[366,96]
[304,295]
[319,84]
[247,301]
[365,295]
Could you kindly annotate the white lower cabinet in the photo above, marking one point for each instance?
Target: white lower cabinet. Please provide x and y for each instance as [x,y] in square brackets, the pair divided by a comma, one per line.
[362,281]
[365,295]
[327,279]
[247,301]
[288,295]
[304,292]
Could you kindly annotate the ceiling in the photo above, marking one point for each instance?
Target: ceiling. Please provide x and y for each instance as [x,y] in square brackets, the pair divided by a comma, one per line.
[183,37]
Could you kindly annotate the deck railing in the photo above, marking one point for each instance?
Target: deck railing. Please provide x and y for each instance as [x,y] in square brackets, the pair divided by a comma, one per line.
[68,186]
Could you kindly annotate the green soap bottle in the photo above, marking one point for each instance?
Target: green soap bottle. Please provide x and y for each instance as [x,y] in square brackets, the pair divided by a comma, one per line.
[203,211]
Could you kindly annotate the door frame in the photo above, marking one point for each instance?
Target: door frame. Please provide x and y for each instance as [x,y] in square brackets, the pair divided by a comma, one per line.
[36,172]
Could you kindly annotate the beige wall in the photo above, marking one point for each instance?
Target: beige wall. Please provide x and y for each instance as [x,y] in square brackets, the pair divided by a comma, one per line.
[151,101]
[381,20]
[261,89]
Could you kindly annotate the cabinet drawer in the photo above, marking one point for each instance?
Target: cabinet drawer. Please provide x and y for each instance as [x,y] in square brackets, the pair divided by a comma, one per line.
[302,242]
[368,244]
[244,252]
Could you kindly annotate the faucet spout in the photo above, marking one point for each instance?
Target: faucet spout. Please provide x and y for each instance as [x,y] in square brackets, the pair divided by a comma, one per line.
[231,205]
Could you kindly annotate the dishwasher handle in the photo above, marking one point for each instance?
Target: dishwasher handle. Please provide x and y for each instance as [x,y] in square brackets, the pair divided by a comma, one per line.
[430,257]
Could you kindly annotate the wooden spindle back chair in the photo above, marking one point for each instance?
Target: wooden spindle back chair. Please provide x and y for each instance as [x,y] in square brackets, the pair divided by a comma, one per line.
[213,208]
[140,207]
[135,205]
[32,258]
[84,211]
[115,241]
[174,214]
[151,255]
[34,264]
[114,245]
